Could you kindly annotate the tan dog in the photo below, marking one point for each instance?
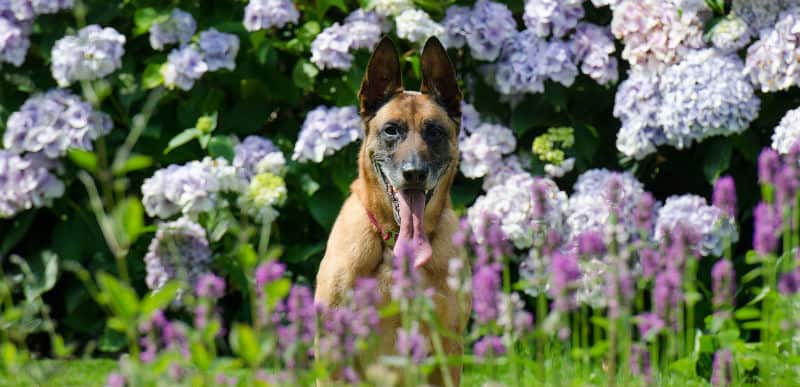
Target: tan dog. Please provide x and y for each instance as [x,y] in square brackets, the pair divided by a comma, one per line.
[405,168]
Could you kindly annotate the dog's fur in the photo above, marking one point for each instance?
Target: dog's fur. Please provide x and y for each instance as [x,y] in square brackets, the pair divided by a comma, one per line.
[424,136]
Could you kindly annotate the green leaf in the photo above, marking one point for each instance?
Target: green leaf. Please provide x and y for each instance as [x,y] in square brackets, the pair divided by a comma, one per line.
[301,253]
[717,160]
[753,257]
[275,291]
[244,344]
[128,217]
[152,76]
[135,162]
[324,207]
[84,159]
[121,297]
[39,277]
[18,228]
[221,146]
[304,74]
[159,299]
[747,313]
[111,340]
[200,356]
[182,138]
[143,18]
[600,321]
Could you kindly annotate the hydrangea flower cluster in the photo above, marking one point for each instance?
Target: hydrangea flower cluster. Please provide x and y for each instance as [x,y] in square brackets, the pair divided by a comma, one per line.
[190,188]
[770,60]
[93,53]
[416,26]
[593,46]
[730,34]
[28,9]
[179,251]
[391,7]
[484,28]
[187,64]
[508,166]
[219,49]
[326,130]
[27,183]
[714,227]
[526,61]
[257,154]
[265,14]
[483,149]
[655,33]
[331,48]
[552,16]
[761,14]
[265,192]
[179,27]
[52,122]
[787,133]
[527,209]
[705,95]
[16,17]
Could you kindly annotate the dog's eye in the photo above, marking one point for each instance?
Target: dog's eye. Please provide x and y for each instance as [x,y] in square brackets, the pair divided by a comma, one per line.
[434,132]
[391,130]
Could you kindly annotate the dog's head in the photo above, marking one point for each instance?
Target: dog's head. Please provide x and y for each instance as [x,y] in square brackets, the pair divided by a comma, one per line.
[411,137]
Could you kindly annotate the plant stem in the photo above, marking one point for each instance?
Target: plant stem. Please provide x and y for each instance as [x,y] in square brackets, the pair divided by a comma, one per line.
[106,227]
[137,128]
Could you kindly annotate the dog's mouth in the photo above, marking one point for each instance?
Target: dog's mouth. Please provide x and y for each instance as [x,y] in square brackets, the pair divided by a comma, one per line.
[408,206]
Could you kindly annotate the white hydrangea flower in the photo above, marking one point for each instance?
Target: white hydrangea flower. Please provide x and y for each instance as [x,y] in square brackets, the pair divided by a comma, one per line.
[712,225]
[787,133]
[417,26]
[482,151]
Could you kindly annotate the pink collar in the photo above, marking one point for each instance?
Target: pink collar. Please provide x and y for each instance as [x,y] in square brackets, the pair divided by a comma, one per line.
[384,235]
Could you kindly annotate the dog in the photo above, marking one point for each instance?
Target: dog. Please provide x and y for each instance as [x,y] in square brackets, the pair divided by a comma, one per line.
[406,165]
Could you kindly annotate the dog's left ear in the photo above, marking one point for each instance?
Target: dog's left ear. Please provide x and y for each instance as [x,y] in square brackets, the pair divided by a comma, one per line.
[439,77]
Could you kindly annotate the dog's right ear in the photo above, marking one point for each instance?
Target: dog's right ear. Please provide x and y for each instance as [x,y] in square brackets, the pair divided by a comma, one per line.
[382,79]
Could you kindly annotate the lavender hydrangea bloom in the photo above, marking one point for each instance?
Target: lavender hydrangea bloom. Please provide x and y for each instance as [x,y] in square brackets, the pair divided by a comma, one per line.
[590,208]
[524,215]
[770,62]
[761,14]
[184,66]
[26,10]
[365,29]
[325,131]
[636,104]
[705,95]
[178,251]
[556,16]
[91,54]
[730,34]
[331,48]
[593,46]
[456,26]
[255,153]
[482,151]
[509,166]
[416,26]
[787,133]
[490,24]
[14,40]
[715,227]
[27,183]
[219,49]
[656,33]
[178,28]
[190,188]
[52,122]
[265,14]
[527,61]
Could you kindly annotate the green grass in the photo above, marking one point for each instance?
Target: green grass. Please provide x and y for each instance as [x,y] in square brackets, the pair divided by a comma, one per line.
[58,373]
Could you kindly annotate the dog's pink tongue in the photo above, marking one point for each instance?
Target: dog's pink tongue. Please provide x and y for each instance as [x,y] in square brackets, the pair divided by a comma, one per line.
[412,230]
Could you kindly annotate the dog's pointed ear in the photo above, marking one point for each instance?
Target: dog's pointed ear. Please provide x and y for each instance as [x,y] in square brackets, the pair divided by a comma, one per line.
[439,77]
[382,79]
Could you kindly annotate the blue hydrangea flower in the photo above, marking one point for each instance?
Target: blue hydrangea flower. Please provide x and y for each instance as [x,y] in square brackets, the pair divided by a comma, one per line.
[52,122]
[761,14]
[91,54]
[527,61]
[456,26]
[190,188]
[331,48]
[593,46]
[325,131]
[787,133]
[219,49]
[771,61]
[482,151]
[705,95]
[552,16]
[179,251]
[636,105]
[14,40]
[27,183]
[257,154]
[416,26]
[265,14]
[184,66]
[26,10]
[713,225]
[365,29]
[178,28]
[490,25]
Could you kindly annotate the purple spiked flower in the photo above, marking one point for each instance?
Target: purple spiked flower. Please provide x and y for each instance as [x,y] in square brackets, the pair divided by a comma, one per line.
[299,315]
[667,293]
[268,272]
[721,369]
[768,164]
[725,195]
[405,278]
[590,242]
[723,279]
[565,273]
[210,286]
[789,283]
[640,362]
[650,261]
[767,228]
[786,183]
[485,287]
[649,323]
[644,212]
[410,343]
[115,379]
[489,346]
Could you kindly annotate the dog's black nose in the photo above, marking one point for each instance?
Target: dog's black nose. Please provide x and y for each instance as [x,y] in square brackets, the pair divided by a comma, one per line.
[414,172]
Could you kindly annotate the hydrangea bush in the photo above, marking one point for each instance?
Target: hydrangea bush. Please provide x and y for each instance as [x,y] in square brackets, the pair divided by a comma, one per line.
[169,174]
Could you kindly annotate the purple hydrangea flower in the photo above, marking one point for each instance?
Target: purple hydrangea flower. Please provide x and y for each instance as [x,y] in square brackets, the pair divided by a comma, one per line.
[508,167]
[178,28]
[712,224]
[257,154]
[26,10]
[219,49]
[593,46]
[769,164]
[721,368]
[490,25]
[265,14]
[27,183]
[490,346]
[723,283]
[483,149]
[365,29]
[210,286]
[770,60]
[52,122]
[725,195]
[637,104]
[325,131]
[759,15]
[526,61]
[179,251]
[184,66]
[456,26]
[331,48]
[14,41]
[767,228]
[92,53]
[412,344]
[787,133]
[556,16]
